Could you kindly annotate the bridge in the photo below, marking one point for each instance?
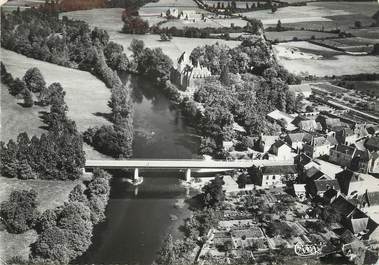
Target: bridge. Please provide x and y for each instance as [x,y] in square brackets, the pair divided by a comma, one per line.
[182,164]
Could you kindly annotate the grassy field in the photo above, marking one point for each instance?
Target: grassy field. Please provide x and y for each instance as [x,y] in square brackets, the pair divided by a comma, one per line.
[15,119]
[299,34]
[86,97]
[111,21]
[305,58]
[318,15]
[369,33]
[51,194]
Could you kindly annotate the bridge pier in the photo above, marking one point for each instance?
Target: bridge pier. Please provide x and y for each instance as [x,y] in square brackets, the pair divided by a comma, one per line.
[136,177]
[188,175]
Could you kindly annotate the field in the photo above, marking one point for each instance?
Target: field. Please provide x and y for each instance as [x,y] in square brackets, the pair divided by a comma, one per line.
[15,119]
[305,58]
[50,195]
[86,97]
[318,15]
[299,34]
[107,19]
[368,87]
[355,44]
[369,33]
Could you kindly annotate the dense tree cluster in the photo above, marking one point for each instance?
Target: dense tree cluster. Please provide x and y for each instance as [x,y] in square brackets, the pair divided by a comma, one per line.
[135,25]
[56,155]
[151,62]
[115,140]
[43,36]
[20,211]
[175,252]
[213,194]
[65,233]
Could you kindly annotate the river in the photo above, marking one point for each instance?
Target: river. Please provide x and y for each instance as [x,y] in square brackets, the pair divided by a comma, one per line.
[138,219]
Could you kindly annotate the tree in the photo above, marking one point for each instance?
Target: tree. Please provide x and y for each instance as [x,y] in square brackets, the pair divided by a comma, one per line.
[213,194]
[20,211]
[166,255]
[225,76]
[357,24]
[34,80]
[28,98]
[255,174]
[17,87]
[279,26]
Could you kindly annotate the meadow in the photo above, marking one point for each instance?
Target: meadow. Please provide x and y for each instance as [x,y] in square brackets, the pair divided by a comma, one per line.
[86,97]
[305,58]
[111,21]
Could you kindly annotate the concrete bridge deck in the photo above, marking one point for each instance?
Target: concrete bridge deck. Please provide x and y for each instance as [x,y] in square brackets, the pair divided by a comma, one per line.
[183,163]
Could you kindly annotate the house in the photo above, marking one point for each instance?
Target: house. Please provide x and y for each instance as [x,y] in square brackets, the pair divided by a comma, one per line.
[346,136]
[281,151]
[328,123]
[295,140]
[309,126]
[372,144]
[342,155]
[282,118]
[316,146]
[300,191]
[265,142]
[319,187]
[185,74]
[354,219]
[273,176]
[302,89]
[188,15]
[171,13]
[353,184]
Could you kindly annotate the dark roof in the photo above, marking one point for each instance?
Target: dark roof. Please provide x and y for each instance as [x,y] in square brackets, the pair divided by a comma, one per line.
[330,193]
[342,206]
[347,236]
[295,137]
[297,120]
[332,140]
[279,170]
[341,148]
[344,178]
[324,185]
[373,143]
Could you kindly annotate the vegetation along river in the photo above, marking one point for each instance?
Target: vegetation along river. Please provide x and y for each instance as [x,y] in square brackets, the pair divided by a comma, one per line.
[139,218]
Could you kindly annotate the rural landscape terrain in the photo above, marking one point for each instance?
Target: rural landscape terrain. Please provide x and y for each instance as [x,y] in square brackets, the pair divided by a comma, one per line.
[206,132]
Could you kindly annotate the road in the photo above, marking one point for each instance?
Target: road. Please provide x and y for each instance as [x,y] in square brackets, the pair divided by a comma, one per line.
[183,164]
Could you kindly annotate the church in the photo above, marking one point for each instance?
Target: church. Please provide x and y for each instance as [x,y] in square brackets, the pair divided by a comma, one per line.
[185,74]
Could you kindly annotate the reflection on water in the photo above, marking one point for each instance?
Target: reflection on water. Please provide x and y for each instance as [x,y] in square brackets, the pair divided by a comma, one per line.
[138,218]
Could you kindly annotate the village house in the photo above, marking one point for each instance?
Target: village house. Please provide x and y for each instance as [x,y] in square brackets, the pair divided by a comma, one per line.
[342,155]
[273,176]
[353,184]
[316,146]
[295,140]
[346,136]
[353,219]
[283,119]
[171,13]
[300,191]
[281,151]
[372,144]
[307,125]
[185,75]
[328,123]
[320,186]
[189,15]
[264,142]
